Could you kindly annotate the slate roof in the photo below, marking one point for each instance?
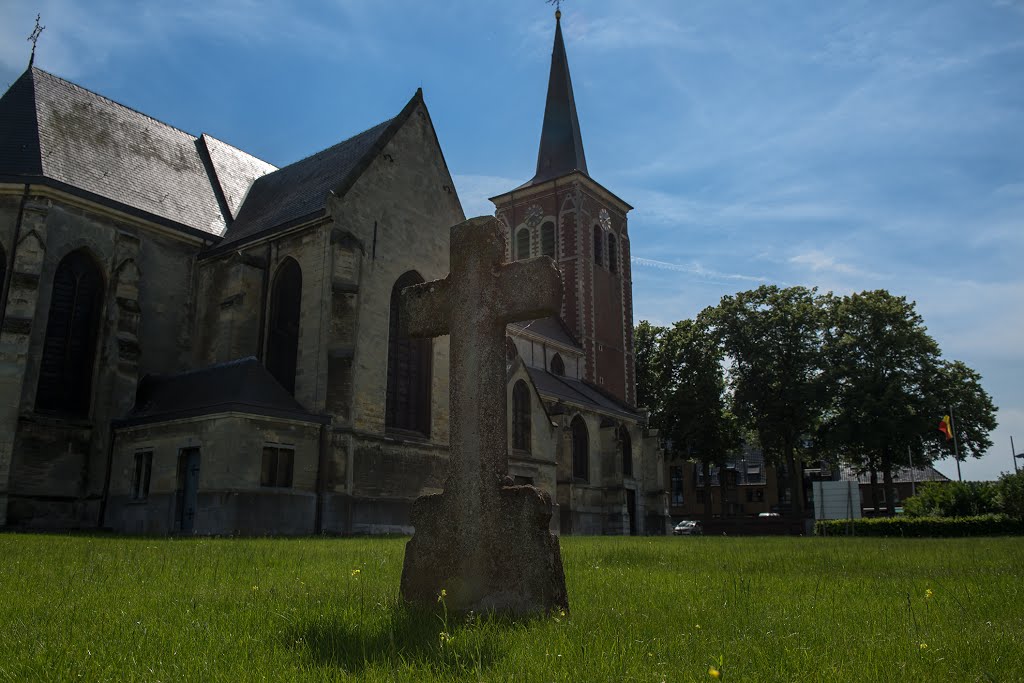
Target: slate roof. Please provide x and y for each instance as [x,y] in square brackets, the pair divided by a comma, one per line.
[54,131]
[234,170]
[551,327]
[242,386]
[899,476]
[299,191]
[561,144]
[578,392]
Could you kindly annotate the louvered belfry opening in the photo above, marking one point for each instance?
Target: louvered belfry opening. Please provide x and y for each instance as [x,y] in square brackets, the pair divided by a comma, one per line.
[283,333]
[521,417]
[69,349]
[409,372]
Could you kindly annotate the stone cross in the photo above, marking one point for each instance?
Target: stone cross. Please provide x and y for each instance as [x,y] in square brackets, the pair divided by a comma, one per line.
[473,304]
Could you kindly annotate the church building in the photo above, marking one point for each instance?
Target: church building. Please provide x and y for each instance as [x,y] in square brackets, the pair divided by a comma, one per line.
[194,341]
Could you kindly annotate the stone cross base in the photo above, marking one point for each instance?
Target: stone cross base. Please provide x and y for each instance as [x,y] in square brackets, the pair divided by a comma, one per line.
[513,567]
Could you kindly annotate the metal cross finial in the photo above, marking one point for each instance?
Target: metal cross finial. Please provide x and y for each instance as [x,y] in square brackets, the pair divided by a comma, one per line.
[557,4]
[34,38]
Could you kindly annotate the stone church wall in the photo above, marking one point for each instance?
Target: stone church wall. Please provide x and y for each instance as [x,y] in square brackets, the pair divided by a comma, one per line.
[57,472]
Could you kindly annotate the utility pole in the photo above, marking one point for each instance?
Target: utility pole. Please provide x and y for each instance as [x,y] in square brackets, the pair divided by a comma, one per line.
[913,477]
[1013,451]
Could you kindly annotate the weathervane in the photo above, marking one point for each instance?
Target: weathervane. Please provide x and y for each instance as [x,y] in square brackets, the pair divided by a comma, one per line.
[558,6]
[34,38]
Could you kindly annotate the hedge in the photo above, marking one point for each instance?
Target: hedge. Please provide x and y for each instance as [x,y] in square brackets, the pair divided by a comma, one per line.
[921,527]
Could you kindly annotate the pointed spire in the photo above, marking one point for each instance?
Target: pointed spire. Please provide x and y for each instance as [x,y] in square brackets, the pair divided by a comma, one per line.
[561,145]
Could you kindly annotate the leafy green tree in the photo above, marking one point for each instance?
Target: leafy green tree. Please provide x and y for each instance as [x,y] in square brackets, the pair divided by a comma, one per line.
[772,338]
[653,376]
[953,499]
[1010,494]
[696,415]
[955,385]
[881,363]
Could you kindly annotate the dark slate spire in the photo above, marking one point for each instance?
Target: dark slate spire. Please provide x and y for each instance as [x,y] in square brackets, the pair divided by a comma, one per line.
[561,145]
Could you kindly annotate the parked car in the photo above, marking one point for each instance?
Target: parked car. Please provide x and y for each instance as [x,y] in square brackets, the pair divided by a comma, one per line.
[688,528]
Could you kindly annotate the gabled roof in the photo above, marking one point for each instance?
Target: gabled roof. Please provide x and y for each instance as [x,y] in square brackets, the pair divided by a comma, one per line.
[55,132]
[561,144]
[578,392]
[298,192]
[241,386]
[902,475]
[234,170]
[551,328]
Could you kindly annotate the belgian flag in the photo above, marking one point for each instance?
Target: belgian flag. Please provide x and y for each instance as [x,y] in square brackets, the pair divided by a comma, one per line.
[945,427]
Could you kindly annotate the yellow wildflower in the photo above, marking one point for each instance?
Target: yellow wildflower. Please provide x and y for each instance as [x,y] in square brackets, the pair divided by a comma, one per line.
[355,573]
[929,593]
[923,646]
[442,595]
[714,673]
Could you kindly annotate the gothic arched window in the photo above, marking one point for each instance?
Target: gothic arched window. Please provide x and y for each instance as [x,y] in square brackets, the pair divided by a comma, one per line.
[580,449]
[557,365]
[521,417]
[627,452]
[283,333]
[65,371]
[522,244]
[547,239]
[409,371]
[613,264]
[598,245]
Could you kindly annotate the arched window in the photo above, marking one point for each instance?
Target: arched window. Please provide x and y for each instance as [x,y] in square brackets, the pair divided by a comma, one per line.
[521,417]
[580,449]
[409,371]
[65,372]
[522,244]
[613,264]
[557,366]
[283,332]
[598,245]
[627,452]
[547,239]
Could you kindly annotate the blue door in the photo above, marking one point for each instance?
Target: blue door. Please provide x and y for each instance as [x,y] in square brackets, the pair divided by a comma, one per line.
[188,488]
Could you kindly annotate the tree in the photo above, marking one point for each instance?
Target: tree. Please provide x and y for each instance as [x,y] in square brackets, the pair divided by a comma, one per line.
[956,386]
[653,377]
[953,499]
[681,381]
[881,363]
[772,338]
[1010,494]
[696,415]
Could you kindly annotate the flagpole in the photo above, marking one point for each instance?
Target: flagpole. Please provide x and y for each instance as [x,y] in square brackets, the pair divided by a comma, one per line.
[913,479]
[956,449]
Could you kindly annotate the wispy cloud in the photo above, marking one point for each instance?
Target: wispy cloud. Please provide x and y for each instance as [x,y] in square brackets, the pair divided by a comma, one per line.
[697,270]
[475,191]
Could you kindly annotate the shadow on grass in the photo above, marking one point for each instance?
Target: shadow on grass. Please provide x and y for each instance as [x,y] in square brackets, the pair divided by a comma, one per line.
[408,639]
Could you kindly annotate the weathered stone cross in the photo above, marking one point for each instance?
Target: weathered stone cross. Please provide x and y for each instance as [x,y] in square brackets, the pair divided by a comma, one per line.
[473,304]
[459,528]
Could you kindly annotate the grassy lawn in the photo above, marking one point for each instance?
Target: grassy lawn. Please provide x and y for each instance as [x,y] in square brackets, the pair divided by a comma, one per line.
[662,609]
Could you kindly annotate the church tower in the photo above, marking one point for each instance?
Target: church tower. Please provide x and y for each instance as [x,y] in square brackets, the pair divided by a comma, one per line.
[564,213]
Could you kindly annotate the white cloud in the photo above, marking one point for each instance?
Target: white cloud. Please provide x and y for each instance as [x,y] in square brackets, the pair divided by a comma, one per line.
[695,269]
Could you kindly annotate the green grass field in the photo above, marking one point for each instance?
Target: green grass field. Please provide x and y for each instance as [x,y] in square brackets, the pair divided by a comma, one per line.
[661,609]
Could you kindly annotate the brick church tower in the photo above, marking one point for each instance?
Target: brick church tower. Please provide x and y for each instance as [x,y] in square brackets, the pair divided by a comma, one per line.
[564,213]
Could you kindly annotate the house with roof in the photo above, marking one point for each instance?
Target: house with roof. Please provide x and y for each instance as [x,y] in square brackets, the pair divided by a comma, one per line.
[195,341]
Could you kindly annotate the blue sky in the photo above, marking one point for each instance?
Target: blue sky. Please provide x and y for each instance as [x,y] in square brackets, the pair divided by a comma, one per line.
[844,145]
